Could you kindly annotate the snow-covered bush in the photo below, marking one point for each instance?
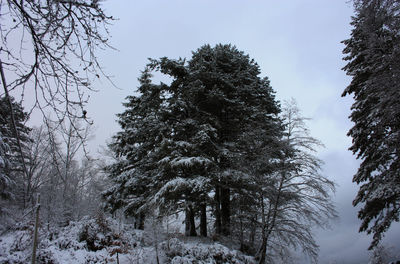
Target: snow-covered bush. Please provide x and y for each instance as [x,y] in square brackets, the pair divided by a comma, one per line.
[97,234]
[63,245]
[179,252]
[16,247]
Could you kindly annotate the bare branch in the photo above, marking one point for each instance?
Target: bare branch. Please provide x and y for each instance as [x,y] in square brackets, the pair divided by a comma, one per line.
[49,52]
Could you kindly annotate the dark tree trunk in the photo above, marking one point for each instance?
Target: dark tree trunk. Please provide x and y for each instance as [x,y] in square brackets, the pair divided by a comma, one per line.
[241,240]
[187,222]
[225,211]
[203,220]
[263,248]
[263,251]
[270,225]
[217,198]
[252,234]
[192,231]
[140,221]
[190,226]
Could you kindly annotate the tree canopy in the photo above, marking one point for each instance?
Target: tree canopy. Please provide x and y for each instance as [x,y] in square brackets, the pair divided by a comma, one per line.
[183,133]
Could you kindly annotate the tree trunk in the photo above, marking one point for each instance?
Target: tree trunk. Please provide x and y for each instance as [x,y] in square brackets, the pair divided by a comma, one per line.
[225,211]
[187,222]
[192,230]
[241,240]
[241,233]
[35,234]
[263,248]
[263,251]
[140,221]
[203,220]
[252,234]
[270,225]
[217,198]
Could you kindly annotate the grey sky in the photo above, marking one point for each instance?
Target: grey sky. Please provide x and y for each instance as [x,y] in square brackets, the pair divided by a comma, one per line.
[297,45]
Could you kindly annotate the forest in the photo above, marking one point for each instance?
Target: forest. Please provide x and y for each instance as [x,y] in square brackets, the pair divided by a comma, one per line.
[206,165]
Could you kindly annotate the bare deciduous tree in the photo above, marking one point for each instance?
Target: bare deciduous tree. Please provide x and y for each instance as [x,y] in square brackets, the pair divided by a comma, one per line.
[49,51]
[38,161]
[299,196]
[48,55]
[70,185]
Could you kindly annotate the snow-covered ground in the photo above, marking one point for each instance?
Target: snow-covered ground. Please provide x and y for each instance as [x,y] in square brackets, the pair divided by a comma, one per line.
[103,240]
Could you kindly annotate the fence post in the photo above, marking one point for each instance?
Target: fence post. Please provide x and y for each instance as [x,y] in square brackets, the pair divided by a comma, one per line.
[35,235]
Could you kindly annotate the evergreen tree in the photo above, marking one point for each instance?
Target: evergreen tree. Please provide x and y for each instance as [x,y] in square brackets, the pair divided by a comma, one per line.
[382,254]
[13,173]
[229,90]
[137,147]
[178,141]
[8,133]
[373,56]
[5,180]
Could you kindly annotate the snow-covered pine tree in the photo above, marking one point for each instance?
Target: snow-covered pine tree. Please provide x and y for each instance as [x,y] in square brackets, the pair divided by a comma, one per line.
[229,90]
[382,254]
[223,93]
[15,172]
[373,56]
[5,180]
[137,148]
[178,142]
[163,162]
[191,149]
[7,130]
[6,185]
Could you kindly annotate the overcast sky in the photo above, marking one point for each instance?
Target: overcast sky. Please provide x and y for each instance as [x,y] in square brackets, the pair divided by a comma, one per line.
[297,45]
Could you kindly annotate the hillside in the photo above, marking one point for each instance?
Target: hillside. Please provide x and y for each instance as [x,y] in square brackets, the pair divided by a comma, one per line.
[105,240]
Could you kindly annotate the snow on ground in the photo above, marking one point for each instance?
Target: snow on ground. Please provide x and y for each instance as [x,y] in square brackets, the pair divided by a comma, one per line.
[98,241]
[196,251]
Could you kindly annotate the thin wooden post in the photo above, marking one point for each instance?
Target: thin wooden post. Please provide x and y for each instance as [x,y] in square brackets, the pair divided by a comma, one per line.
[35,235]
